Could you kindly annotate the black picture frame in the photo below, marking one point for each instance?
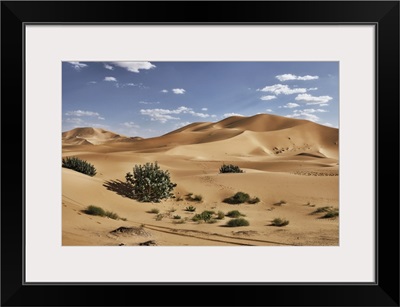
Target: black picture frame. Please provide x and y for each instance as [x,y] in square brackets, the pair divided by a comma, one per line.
[383,14]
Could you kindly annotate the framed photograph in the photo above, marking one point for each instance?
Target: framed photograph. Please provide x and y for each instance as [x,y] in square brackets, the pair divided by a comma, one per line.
[240,145]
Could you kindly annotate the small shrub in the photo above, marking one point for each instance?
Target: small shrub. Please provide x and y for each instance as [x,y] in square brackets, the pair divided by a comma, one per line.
[172,210]
[79,165]
[230,168]
[112,215]
[180,221]
[279,222]
[331,214]
[176,217]
[234,214]
[220,215]
[149,183]
[323,209]
[159,217]
[93,210]
[238,198]
[212,221]
[154,211]
[254,200]
[179,198]
[190,209]
[191,197]
[237,222]
[204,216]
[123,219]
[280,203]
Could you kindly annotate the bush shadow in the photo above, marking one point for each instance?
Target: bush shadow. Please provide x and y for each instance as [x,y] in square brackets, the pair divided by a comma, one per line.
[120,187]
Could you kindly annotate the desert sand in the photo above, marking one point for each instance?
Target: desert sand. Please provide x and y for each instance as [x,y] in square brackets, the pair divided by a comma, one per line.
[283,159]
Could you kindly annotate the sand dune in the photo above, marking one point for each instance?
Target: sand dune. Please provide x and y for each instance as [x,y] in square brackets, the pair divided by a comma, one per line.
[282,159]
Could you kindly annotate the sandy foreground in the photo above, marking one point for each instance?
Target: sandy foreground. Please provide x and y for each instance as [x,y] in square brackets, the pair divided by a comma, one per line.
[283,159]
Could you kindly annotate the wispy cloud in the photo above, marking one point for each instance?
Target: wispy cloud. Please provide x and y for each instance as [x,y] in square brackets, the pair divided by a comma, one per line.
[310,100]
[92,82]
[268,97]
[110,79]
[327,124]
[231,114]
[130,125]
[163,115]
[164,91]
[135,66]
[204,109]
[307,114]
[109,67]
[315,110]
[78,65]
[178,91]
[81,113]
[149,102]
[180,125]
[278,89]
[291,105]
[287,77]
[269,110]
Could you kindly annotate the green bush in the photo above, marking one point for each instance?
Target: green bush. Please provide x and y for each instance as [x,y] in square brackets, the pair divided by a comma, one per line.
[254,200]
[280,203]
[190,209]
[93,210]
[150,183]
[237,222]
[234,213]
[330,214]
[79,165]
[279,222]
[238,198]
[323,209]
[191,197]
[154,211]
[176,217]
[204,216]
[220,215]
[230,168]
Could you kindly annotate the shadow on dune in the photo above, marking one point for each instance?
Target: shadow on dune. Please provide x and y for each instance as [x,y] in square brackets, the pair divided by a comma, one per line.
[121,188]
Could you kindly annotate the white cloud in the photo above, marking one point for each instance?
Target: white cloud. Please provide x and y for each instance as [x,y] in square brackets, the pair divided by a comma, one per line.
[110,79]
[282,89]
[178,91]
[135,66]
[312,89]
[92,82]
[130,125]
[315,110]
[183,124]
[313,99]
[304,115]
[101,118]
[109,67]
[213,116]
[163,115]
[74,120]
[81,113]
[78,65]
[328,124]
[287,77]
[291,105]
[268,97]
[231,114]
[204,109]
[149,102]
[269,110]
[164,91]
[323,105]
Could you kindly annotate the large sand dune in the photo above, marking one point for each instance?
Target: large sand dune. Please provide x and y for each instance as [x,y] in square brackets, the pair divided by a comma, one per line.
[282,158]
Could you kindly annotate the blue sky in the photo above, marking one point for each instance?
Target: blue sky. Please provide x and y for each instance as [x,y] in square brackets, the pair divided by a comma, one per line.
[152,98]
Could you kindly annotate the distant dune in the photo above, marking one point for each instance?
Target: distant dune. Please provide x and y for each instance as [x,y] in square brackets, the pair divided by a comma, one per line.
[283,159]
[93,136]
